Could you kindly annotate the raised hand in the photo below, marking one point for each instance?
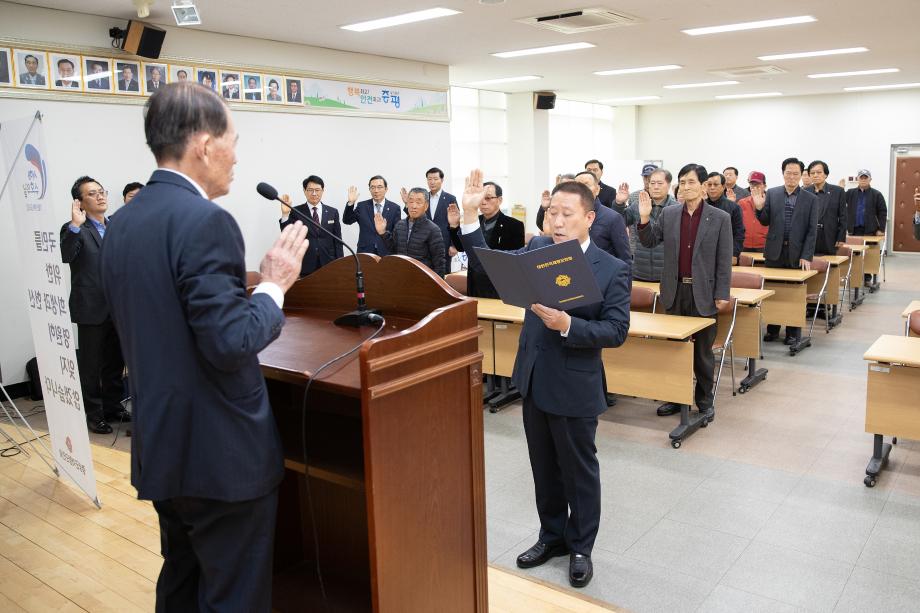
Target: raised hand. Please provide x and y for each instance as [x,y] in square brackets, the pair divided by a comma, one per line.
[281,265]
[77,214]
[758,197]
[623,193]
[352,194]
[405,195]
[730,194]
[285,204]
[645,206]
[380,224]
[473,195]
[545,199]
[453,215]
[917,198]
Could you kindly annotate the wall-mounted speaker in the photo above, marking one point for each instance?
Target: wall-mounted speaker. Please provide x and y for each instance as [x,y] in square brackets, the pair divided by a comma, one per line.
[544,100]
[143,39]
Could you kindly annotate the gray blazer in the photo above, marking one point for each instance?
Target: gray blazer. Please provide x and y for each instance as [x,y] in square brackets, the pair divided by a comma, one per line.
[712,255]
[804,228]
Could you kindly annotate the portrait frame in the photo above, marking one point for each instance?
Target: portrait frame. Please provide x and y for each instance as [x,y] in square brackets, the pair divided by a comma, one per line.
[257,91]
[6,67]
[210,73]
[76,60]
[19,57]
[175,69]
[117,79]
[226,90]
[148,68]
[266,89]
[293,98]
[97,82]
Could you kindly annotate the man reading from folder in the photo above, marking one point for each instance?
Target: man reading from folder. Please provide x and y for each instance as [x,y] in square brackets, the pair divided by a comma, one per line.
[559,373]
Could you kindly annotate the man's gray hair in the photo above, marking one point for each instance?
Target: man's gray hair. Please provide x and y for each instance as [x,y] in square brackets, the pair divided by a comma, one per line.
[420,190]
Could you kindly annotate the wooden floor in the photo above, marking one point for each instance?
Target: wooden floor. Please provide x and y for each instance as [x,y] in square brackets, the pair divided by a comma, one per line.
[58,552]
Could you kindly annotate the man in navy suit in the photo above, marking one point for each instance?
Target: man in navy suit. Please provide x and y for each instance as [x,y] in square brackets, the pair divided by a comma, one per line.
[559,372]
[205,448]
[323,249]
[363,214]
[439,202]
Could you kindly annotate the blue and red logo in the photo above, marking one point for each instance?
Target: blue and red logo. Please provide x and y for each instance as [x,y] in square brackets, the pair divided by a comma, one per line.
[37,183]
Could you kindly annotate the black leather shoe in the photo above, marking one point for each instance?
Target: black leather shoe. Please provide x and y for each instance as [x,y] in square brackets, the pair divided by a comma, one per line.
[708,412]
[541,553]
[668,408]
[100,427]
[580,570]
[122,416]
[769,338]
[790,340]
[611,399]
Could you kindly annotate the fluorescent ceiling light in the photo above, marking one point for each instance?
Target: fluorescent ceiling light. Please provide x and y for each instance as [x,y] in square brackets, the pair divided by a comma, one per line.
[795,56]
[540,50]
[633,99]
[505,80]
[740,96]
[606,73]
[852,73]
[398,20]
[709,84]
[750,25]
[864,88]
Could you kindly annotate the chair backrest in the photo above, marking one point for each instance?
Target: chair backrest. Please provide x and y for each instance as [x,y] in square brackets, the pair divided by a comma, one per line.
[844,250]
[819,264]
[745,260]
[913,322]
[856,240]
[641,298]
[748,280]
[457,282]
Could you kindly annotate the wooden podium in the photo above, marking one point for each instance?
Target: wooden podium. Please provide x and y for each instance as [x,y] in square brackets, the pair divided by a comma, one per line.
[394,446]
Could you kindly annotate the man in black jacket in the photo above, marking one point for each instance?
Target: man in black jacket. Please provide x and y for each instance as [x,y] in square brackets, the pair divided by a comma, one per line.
[323,248]
[501,232]
[416,236]
[715,192]
[99,358]
[867,213]
[832,210]
[607,194]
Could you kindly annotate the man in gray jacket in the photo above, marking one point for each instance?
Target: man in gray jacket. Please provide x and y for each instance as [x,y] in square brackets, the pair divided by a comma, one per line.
[648,261]
[416,235]
[696,278]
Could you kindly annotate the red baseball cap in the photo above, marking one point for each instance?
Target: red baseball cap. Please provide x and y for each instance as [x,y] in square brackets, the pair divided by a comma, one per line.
[757,177]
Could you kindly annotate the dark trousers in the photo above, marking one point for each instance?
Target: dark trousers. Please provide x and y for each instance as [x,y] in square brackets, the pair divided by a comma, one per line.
[566,476]
[784,261]
[217,556]
[703,359]
[101,369]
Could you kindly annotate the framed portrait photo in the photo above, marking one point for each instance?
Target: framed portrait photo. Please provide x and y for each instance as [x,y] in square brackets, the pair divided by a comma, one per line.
[252,87]
[230,85]
[127,78]
[66,72]
[31,68]
[177,74]
[6,67]
[293,91]
[207,77]
[274,89]
[97,74]
[155,75]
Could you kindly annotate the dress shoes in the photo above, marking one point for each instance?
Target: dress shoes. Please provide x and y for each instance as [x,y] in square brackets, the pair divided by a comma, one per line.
[709,413]
[611,399]
[541,553]
[100,427]
[769,338]
[668,408]
[580,570]
[790,340]
[122,416]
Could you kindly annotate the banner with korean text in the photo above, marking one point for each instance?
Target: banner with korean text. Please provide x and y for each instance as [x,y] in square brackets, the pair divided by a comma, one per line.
[364,97]
[26,177]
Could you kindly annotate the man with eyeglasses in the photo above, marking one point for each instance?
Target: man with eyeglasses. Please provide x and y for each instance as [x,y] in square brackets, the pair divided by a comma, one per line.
[363,214]
[99,358]
[322,249]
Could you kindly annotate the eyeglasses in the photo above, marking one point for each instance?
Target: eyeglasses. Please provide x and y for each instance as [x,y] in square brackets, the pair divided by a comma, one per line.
[95,194]
[314,190]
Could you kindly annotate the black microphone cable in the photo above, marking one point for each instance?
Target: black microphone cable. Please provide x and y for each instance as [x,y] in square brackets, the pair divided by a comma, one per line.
[381,323]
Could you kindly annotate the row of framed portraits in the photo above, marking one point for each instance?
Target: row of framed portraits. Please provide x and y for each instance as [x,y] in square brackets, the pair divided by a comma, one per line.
[76,73]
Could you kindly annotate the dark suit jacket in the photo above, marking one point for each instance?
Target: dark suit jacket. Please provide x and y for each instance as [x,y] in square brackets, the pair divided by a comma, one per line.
[323,249]
[734,211]
[608,231]
[804,224]
[507,235]
[565,375]
[174,275]
[253,96]
[71,83]
[425,244]
[876,214]
[607,195]
[712,255]
[362,213]
[832,218]
[127,86]
[82,251]
[150,87]
[437,212]
[103,83]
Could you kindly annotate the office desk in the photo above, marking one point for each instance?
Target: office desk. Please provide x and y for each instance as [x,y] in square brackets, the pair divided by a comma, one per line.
[787,306]
[913,306]
[832,298]
[892,390]
[856,278]
[873,259]
[748,330]
[857,274]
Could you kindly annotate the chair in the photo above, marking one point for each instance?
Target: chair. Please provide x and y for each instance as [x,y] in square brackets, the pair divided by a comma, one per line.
[845,288]
[643,299]
[822,266]
[747,280]
[457,282]
[856,240]
[745,260]
[912,328]
[726,345]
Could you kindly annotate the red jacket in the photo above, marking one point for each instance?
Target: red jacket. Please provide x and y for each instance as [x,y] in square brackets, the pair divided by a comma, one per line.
[755,233]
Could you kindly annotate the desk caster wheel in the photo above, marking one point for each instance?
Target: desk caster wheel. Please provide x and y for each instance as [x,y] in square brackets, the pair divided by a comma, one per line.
[743,389]
[894,441]
[869,481]
[704,424]
[675,443]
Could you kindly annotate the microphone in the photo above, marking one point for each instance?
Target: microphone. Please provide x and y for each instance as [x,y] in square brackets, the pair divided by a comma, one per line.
[362,316]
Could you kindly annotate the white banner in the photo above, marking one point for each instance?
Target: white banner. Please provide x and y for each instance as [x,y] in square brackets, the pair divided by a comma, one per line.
[364,97]
[37,233]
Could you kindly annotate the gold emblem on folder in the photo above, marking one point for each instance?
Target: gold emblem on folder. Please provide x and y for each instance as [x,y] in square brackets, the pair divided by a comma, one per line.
[563,280]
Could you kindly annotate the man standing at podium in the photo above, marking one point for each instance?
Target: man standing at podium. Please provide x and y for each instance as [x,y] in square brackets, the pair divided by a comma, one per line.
[559,372]
[205,448]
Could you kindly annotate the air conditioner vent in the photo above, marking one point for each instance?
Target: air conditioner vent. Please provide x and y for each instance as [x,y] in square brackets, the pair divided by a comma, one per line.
[748,72]
[581,20]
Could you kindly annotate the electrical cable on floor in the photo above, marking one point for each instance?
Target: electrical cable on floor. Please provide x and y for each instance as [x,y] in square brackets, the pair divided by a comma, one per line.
[5,453]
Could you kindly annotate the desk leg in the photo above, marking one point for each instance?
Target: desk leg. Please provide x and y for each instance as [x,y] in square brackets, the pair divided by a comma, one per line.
[688,425]
[754,377]
[506,396]
[836,317]
[489,390]
[873,285]
[880,452]
[857,299]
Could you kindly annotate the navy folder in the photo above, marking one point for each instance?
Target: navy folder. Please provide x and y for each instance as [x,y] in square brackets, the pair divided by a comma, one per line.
[556,276]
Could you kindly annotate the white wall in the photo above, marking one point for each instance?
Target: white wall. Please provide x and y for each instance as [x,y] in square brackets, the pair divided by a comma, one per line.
[107,142]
